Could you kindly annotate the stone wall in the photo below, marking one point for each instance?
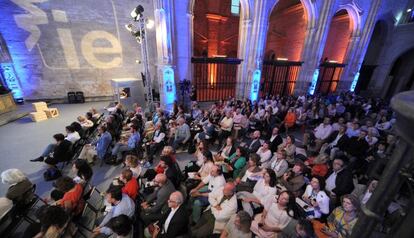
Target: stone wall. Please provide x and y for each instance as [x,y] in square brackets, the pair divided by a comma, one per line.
[286,34]
[60,46]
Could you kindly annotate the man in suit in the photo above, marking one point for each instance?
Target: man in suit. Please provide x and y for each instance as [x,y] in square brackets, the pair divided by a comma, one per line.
[275,140]
[336,141]
[340,181]
[223,205]
[174,223]
[153,205]
[254,143]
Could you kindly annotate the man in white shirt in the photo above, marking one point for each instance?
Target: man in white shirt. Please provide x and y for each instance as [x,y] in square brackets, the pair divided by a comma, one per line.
[72,135]
[320,133]
[199,195]
[223,204]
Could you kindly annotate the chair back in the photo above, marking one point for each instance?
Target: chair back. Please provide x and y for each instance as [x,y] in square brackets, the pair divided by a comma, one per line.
[88,218]
[96,200]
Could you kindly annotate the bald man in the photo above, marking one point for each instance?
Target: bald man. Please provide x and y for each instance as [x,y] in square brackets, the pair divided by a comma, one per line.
[156,203]
[175,221]
[223,204]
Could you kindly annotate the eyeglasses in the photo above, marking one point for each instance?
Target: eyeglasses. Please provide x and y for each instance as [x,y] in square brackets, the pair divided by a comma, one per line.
[172,201]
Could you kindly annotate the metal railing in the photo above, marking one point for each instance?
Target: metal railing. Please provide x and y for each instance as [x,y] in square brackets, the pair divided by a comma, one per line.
[279,77]
[215,78]
[329,75]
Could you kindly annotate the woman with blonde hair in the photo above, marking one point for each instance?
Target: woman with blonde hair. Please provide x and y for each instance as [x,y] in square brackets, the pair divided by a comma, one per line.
[85,123]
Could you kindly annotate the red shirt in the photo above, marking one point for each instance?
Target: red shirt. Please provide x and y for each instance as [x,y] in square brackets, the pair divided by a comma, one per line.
[320,169]
[131,188]
[74,196]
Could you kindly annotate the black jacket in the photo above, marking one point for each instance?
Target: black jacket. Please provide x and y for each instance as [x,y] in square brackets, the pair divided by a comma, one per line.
[275,143]
[344,183]
[62,152]
[178,225]
[342,142]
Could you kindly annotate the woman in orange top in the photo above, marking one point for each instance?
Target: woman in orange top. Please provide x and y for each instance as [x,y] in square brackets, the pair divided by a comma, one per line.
[72,199]
[290,119]
[318,165]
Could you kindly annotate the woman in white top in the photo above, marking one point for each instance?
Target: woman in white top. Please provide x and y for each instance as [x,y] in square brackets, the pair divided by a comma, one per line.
[131,161]
[264,188]
[316,197]
[276,215]
[265,154]
[383,124]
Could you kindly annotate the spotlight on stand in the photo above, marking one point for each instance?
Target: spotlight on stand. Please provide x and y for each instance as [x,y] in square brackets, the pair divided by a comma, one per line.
[137,27]
[136,14]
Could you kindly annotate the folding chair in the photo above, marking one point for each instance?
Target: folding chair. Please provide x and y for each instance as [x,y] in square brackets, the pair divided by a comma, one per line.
[87,220]
[96,200]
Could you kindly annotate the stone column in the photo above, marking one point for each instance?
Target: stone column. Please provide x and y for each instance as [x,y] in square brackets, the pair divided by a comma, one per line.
[255,44]
[243,54]
[164,37]
[358,47]
[183,44]
[314,45]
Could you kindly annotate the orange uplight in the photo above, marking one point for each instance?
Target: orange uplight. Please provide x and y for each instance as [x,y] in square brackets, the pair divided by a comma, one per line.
[212,75]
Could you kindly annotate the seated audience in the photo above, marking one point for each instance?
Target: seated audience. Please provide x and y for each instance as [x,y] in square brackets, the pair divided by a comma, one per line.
[226,151]
[121,226]
[85,123]
[233,165]
[72,200]
[277,213]
[55,153]
[223,204]
[339,182]
[279,163]
[20,189]
[121,204]
[155,143]
[275,139]
[131,161]
[175,221]
[343,218]
[238,226]
[263,189]
[201,192]
[264,153]
[153,204]
[72,135]
[290,148]
[53,221]
[318,165]
[99,147]
[182,134]
[293,180]
[249,175]
[83,172]
[126,145]
[130,187]
[316,197]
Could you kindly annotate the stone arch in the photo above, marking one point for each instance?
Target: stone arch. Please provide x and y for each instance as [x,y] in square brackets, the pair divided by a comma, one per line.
[401,73]
[307,11]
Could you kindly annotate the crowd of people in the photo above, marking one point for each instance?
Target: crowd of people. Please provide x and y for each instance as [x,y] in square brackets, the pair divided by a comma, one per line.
[277,167]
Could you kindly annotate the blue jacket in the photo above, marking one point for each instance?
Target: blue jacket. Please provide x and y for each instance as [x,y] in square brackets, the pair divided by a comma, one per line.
[133,140]
[102,144]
